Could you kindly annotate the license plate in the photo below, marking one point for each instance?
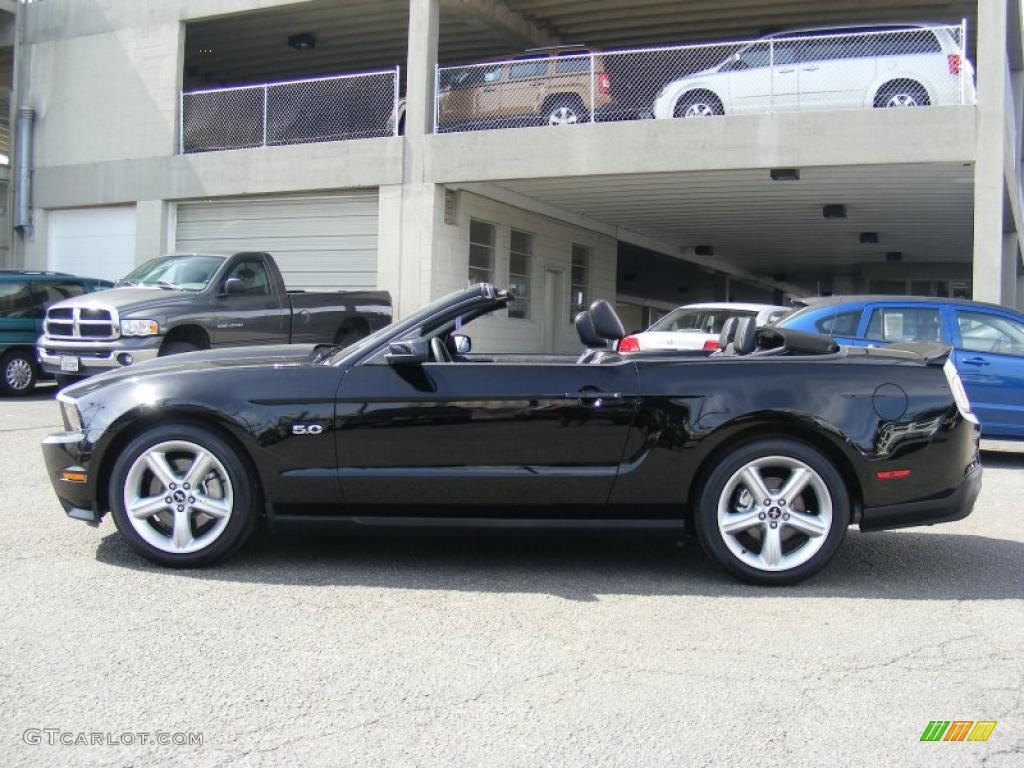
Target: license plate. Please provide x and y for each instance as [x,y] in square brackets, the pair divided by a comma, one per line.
[69,364]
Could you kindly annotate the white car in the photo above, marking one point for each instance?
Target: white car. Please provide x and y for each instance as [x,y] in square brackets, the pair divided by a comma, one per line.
[697,326]
[905,65]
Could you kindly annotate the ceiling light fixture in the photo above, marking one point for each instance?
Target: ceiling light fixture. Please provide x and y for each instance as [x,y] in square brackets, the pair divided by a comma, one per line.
[785,174]
[834,211]
[303,42]
[869,238]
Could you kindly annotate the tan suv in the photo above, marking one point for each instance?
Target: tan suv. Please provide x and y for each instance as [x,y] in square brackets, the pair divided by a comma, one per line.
[549,89]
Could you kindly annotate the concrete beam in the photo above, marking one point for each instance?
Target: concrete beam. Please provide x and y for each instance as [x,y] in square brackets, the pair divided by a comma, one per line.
[265,170]
[783,140]
[9,6]
[501,20]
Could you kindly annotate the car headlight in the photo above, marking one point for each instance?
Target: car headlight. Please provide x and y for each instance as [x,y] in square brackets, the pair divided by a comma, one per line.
[69,410]
[139,328]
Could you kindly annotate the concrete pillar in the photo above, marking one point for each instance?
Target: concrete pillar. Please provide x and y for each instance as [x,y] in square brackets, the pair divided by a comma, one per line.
[991,267]
[1008,276]
[410,214]
[152,230]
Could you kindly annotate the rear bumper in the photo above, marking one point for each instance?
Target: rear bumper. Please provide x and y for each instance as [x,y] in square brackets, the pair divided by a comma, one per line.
[67,451]
[955,506]
[96,356]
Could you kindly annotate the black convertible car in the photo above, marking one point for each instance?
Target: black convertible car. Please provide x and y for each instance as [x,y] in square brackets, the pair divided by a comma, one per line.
[767,450]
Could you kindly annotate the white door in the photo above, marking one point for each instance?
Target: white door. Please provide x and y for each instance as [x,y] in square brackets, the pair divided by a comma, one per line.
[554,306]
[836,71]
[319,242]
[764,78]
[92,242]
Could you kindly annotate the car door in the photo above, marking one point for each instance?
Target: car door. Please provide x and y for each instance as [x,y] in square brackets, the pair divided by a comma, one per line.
[20,312]
[454,436]
[888,322]
[764,77]
[254,316]
[989,356]
[836,70]
[524,90]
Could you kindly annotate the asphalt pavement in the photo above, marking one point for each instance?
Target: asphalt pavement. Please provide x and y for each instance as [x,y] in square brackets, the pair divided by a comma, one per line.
[525,650]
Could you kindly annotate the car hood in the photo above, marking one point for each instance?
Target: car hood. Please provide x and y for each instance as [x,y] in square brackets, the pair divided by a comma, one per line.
[206,361]
[130,299]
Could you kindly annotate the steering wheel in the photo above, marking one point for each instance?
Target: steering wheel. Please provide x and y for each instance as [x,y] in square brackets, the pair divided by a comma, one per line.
[439,350]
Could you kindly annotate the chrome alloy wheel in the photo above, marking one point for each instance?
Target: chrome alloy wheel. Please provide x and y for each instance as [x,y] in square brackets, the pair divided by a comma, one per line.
[699,109]
[902,99]
[18,374]
[177,497]
[775,513]
[563,116]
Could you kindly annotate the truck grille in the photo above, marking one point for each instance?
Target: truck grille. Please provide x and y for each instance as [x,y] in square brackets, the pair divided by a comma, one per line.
[94,323]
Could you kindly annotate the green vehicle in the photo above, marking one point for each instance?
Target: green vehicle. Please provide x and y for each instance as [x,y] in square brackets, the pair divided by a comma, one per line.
[24,298]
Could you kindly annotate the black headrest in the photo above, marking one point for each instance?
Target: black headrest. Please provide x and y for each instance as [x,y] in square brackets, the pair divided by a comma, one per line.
[796,342]
[588,334]
[728,333]
[606,321]
[746,334]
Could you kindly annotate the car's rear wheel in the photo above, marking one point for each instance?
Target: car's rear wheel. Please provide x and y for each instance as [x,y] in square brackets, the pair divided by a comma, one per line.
[902,93]
[564,111]
[698,104]
[182,496]
[773,512]
[18,372]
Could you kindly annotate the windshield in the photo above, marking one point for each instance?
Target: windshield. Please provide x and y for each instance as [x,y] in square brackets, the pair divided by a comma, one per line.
[408,323]
[698,320]
[190,273]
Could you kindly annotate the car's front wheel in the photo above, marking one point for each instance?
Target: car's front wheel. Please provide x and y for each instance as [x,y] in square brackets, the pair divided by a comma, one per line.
[773,512]
[182,496]
[698,104]
[18,372]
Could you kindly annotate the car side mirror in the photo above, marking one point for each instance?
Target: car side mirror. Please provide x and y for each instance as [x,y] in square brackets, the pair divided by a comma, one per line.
[233,286]
[462,343]
[412,352]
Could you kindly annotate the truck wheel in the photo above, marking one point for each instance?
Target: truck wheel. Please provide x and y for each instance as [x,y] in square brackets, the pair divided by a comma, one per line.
[177,348]
[182,496]
[18,372]
[773,512]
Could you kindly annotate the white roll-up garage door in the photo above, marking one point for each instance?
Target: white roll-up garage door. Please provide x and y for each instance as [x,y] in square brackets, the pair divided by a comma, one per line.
[92,242]
[322,241]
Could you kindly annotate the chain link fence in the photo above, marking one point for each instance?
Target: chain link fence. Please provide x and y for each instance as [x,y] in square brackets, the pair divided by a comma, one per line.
[902,66]
[356,106]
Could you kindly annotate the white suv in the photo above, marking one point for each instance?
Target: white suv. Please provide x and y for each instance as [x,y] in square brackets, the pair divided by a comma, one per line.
[902,65]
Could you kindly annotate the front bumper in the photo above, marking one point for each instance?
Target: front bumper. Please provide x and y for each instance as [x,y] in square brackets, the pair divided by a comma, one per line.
[96,356]
[954,506]
[67,451]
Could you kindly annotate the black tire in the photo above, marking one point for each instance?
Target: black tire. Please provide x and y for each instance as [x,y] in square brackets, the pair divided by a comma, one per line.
[245,489]
[19,373]
[564,110]
[694,99]
[177,348]
[712,539]
[908,92]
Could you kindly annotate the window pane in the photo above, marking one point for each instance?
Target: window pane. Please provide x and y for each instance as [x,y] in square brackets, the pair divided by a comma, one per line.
[253,276]
[481,232]
[518,264]
[481,257]
[50,293]
[521,242]
[578,63]
[16,300]
[904,324]
[980,332]
[903,43]
[840,324]
[522,69]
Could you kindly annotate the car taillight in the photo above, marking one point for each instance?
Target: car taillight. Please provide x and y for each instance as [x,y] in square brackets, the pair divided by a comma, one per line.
[963,403]
[604,82]
[711,345]
[629,344]
[954,63]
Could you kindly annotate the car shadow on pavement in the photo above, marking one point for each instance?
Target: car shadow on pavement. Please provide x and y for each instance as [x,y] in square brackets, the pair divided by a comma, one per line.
[898,565]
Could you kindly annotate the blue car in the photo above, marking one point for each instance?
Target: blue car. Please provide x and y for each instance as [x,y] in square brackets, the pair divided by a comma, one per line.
[987,341]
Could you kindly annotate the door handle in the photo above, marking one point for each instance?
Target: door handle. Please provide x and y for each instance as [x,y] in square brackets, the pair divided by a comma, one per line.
[786,71]
[976,361]
[809,69]
[589,398]
[492,89]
